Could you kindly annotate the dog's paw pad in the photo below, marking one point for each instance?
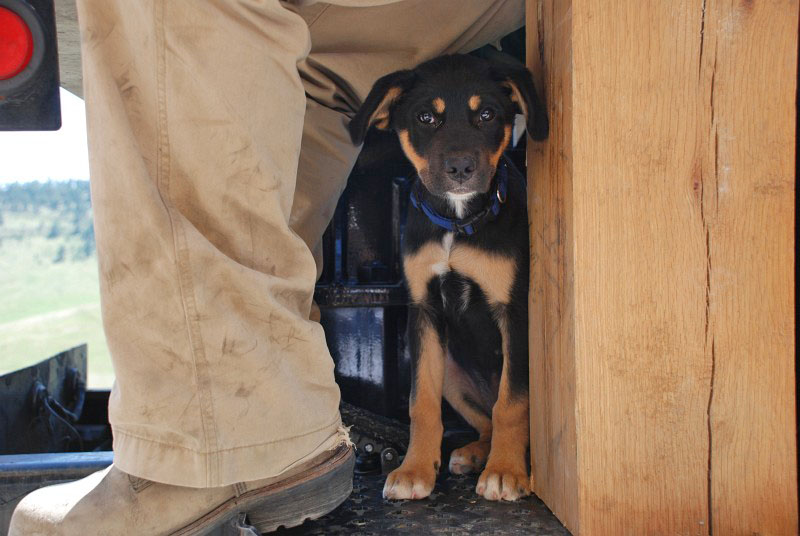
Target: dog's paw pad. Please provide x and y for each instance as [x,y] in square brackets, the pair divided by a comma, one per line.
[505,484]
[409,483]
[469,459]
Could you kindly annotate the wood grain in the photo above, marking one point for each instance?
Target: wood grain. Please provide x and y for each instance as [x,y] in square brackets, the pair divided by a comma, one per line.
[750,56]
[554,471]
[69,46]
[662,212]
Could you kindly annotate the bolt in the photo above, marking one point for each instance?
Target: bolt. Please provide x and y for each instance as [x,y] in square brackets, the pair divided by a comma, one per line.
[368,448]
[388,455]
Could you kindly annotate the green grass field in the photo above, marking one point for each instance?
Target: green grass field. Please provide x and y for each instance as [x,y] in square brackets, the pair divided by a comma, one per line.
[50,298]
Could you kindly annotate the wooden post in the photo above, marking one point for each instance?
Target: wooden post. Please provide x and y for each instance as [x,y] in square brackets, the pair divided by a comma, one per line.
[662,294]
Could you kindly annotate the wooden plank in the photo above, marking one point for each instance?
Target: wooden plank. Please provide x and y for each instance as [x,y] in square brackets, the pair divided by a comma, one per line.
[749,66]
[69,46]
[662,356]
[552,373]
[642,375]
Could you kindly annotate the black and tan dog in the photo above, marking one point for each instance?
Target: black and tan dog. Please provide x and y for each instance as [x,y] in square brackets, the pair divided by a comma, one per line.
[465,258]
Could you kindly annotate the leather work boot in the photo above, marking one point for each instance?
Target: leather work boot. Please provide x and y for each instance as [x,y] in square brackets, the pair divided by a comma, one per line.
[111,502]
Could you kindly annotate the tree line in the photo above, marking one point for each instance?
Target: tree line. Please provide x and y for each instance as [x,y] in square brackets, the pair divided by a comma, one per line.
[62,210]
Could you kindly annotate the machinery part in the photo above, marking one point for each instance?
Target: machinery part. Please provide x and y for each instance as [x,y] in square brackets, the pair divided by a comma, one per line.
[375,438]
[48,409]
[390,460]
[29,83]
[42,403]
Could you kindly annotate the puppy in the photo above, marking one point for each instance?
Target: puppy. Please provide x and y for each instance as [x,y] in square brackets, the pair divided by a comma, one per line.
[465,258]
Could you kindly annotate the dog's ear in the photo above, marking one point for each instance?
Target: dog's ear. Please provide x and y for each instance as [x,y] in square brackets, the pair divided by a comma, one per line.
[377,107]
[519,81]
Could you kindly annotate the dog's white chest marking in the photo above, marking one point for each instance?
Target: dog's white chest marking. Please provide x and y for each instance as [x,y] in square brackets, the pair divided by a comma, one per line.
[459,202]
[443,266]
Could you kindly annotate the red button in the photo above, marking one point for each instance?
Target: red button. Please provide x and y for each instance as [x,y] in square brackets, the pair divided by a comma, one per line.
[16,44]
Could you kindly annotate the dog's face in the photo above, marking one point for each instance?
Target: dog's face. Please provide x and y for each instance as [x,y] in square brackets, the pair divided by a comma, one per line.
[454,117]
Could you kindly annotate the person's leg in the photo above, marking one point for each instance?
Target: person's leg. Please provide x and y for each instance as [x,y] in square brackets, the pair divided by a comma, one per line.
[195,114]
[351,48]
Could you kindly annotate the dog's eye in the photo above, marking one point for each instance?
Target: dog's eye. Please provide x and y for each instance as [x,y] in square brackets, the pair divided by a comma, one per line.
[426,117]
[487,114]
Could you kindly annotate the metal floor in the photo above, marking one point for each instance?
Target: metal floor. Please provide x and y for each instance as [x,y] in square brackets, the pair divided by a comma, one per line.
[453,508]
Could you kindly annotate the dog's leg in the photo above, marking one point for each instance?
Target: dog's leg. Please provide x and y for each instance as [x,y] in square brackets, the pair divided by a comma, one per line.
[506,475]
[465,397]
[415,477]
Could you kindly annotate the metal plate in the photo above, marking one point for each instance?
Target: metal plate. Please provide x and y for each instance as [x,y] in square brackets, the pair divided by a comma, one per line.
[453,508]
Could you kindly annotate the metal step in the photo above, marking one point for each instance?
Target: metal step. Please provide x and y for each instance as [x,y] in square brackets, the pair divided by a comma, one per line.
[452,508]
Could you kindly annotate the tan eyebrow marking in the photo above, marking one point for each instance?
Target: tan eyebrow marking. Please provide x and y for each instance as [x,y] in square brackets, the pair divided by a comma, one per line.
[474,103]
[418,160]
[438,105]
[494,158]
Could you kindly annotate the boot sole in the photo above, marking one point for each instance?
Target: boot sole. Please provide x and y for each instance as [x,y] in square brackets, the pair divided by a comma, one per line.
[287,503]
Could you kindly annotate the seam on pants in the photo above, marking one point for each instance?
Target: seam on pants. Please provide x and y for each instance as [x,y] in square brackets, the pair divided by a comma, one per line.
[185,282]
[311,22]
[309,14]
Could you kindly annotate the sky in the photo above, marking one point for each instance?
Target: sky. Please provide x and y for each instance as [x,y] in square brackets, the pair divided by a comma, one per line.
[59,155]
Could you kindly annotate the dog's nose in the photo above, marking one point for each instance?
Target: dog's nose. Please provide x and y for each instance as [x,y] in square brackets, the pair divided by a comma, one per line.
[459,168]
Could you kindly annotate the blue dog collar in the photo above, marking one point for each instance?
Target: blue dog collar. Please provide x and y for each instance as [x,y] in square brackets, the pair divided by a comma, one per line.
[465,226]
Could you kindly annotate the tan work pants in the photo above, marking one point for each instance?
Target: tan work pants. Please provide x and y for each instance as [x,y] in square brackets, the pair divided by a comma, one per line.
[207,211]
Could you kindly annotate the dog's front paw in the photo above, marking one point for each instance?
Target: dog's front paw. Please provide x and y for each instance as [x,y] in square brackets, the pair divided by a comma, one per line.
[506,483]
[412,482]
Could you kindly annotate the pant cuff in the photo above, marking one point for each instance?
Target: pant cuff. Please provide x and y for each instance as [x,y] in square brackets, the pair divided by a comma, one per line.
[180,466]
